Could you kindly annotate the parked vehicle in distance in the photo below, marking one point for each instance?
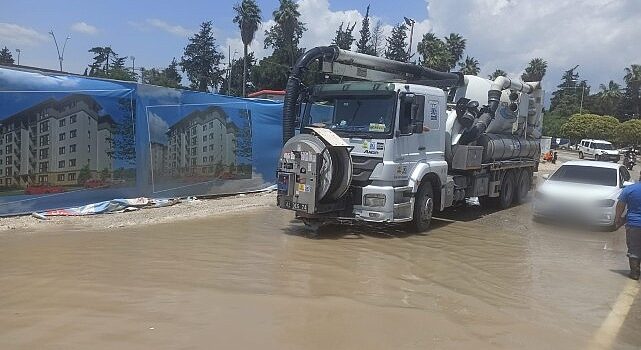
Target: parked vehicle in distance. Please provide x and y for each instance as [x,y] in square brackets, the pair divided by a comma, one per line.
[560,143]
[582,191]
[598,150]
[43,188]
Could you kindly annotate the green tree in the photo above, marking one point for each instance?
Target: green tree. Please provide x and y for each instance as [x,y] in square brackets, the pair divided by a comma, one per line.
[455,44]
[435,53]
[284,36]
[535,71]
[108,64]
[248,19]
[632,96]
[124,136]
[497,73]
[364,45]
[344,37]
[167,77]
[582,126]
[608,98]
[377,40]
[6,57]
[552,124]
[566,100]
[201,59]
[396,45]
[470,66]
[629,132]
[84,174]
[235,86]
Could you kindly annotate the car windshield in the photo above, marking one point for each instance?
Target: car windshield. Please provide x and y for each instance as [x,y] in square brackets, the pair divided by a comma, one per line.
[606,146]
[352,114]
[586,175]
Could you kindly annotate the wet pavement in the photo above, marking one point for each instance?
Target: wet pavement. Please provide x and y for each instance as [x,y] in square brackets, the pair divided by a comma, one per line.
[257,280]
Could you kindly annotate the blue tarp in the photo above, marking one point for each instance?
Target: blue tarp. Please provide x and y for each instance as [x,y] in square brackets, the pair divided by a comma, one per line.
[69,140]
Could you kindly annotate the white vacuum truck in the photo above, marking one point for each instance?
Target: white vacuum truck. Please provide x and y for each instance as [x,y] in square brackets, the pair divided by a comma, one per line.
[389,148]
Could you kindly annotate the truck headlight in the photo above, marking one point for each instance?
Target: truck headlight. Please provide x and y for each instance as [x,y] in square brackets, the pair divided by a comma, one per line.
[605,203]
[374,200]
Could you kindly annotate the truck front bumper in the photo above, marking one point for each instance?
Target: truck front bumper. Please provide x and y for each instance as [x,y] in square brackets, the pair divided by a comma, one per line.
[398,205]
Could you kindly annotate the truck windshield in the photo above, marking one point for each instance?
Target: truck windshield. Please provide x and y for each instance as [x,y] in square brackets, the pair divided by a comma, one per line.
[352,114]
[605,146]
[586,175]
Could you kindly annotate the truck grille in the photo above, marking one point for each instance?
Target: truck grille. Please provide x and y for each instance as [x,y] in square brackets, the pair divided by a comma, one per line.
[363,168]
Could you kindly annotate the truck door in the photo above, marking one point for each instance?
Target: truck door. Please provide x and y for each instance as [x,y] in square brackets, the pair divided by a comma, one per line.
[410,141]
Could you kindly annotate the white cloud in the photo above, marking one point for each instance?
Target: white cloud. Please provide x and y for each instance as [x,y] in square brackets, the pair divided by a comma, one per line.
[13,34]
[177,30]
[597,34]
[83,27]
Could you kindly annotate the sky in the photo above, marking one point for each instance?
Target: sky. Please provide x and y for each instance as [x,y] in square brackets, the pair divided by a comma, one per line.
[601,36]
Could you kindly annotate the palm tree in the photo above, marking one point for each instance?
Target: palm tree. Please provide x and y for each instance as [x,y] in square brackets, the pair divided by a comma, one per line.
[456,45]
[609,96]
[497,73]
[248,19]
[536,70]
[633,90]
[470,66]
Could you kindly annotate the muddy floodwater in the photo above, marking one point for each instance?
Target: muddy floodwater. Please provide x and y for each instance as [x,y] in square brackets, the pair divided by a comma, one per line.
[254,280]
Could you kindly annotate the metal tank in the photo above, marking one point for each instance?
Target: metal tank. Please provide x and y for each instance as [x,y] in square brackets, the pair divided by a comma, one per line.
[503,147]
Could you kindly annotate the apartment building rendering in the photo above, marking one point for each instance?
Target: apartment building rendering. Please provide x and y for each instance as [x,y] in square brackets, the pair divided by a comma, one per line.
[52,141]
[202,143]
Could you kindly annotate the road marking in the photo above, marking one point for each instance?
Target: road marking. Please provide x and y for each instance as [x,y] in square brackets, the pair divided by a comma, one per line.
[609,329]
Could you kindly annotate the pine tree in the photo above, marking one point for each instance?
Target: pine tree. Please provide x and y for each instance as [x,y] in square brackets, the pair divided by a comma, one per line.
[364,45]
[344,38]
[396,45]
[201,59]
[377,40]
[6,57]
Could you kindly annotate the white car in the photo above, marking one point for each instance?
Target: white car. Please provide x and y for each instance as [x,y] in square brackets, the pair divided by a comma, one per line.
[598,150]
[582,191]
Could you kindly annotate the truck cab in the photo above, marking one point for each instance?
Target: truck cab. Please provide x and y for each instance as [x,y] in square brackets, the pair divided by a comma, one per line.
[396,132]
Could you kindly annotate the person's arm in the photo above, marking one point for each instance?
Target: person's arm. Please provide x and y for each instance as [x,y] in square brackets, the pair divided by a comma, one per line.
[618,218]
[621,204]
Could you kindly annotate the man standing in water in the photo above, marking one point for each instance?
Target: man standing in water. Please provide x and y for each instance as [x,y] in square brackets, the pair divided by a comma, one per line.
[631,198]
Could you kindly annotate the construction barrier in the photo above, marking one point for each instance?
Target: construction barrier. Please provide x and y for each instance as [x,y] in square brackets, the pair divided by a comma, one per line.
[68,140]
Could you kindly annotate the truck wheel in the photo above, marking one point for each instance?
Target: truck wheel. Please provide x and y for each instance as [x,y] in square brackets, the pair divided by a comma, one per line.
[581,155]
[423,208]
[506,196]
[523,185]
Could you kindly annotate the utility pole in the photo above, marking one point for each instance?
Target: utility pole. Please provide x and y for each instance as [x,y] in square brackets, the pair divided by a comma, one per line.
[229,70]
[18,51]
[133,66]
[61,56]
[410,22]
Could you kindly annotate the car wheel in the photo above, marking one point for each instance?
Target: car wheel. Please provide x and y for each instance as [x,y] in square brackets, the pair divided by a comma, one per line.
[423,208]
[581,155]
[597,157]
[523,185]
[506,196]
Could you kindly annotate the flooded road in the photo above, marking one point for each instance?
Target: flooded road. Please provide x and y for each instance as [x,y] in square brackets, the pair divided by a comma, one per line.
[255,280]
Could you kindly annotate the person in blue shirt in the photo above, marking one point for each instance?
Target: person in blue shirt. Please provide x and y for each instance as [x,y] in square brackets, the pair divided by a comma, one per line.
[630,197]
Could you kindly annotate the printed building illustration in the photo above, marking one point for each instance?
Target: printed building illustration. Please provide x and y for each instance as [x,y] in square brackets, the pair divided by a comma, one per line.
[203,142]
[50,142]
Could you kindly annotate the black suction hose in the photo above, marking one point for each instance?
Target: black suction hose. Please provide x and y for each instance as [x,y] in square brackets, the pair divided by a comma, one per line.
[293,87]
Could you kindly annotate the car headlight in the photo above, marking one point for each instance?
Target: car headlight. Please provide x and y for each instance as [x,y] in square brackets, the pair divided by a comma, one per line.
[605,203]
[374,200]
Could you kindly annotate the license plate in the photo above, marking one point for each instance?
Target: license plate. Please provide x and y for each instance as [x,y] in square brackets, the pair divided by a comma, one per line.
[295,206]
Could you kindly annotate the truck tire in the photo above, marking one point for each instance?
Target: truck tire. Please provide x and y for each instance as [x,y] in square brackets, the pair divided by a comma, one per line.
[508,190]
[581,155]
[423,208]
[523,185]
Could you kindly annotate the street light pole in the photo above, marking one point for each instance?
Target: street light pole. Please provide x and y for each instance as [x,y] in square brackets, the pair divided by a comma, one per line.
[410,22]
[133,66]
[61,56]
[18,51]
